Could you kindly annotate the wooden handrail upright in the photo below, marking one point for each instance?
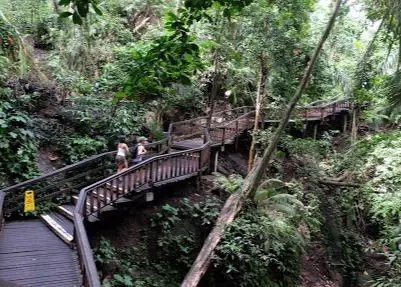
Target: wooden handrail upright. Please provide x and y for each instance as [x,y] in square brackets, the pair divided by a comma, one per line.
[2,197]
[88,266]
[236,126]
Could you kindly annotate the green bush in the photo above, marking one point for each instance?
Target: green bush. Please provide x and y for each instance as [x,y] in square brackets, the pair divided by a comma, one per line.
[18,145]
[80,147]
[259,251]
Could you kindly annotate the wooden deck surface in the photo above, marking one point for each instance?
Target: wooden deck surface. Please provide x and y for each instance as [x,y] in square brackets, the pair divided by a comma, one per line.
[188,144]
[31,255]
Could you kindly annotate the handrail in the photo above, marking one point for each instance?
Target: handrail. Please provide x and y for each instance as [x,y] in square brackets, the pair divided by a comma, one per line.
[70,167]
[141,164]
[84,248]
[88,266]
[214,115]
[71,177]
[2,197]
[198,157]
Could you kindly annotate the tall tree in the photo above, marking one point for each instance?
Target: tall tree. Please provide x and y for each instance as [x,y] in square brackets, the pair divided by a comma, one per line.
[260,95]
[235,202]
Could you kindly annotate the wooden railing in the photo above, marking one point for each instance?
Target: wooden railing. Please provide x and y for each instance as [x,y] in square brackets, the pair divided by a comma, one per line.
[70,178]
[227,132]
[314,111]
[194,127]
[2,196]
[151,172]
[324,110]
[160,169]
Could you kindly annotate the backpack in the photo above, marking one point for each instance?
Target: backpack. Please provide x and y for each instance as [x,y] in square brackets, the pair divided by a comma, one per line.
[134,151]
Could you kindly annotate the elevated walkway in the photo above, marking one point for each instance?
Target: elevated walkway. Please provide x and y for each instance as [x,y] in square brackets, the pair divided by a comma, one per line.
[32,254]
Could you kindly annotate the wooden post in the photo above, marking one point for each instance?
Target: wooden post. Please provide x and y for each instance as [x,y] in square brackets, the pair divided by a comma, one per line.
[315,131]
[305,129]
[216,160]
[354,125]
[345,123]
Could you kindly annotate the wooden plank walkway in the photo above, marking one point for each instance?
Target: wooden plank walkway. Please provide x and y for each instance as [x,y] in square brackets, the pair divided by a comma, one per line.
[31,255]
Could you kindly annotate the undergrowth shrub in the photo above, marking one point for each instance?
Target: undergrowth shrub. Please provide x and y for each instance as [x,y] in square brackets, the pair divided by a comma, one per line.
[259,251]
[18,144]
[375,162]
[167,248]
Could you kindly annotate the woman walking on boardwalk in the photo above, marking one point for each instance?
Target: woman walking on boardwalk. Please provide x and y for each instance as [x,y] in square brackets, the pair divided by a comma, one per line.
[122,153]
[140,150]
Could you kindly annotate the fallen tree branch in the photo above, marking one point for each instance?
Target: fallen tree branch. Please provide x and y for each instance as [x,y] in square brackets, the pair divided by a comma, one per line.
[340,178]
[339,183]
[235,202]
[140,25]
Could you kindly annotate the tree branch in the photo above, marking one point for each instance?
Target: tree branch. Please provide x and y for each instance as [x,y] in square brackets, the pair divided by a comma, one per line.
[331,182]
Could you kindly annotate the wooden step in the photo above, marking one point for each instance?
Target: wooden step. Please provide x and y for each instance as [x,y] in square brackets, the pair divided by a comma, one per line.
[114,188]
[67,210]
[60,225]
[74,199]
[102,209]
[101,196]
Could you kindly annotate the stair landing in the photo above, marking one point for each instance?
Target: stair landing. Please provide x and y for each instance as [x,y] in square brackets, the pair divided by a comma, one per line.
[31,255]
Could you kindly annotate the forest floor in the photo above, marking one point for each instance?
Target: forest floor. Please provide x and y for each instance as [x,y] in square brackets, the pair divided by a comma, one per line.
[316,271]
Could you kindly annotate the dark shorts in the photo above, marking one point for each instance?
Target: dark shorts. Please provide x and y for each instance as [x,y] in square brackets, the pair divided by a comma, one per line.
[138,159]
[120,160]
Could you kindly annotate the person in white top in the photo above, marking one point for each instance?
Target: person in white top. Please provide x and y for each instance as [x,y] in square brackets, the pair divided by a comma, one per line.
[121,157]
[141,150]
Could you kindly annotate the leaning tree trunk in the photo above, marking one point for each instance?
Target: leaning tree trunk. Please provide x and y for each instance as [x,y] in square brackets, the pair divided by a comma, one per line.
[259,99]
[234,203]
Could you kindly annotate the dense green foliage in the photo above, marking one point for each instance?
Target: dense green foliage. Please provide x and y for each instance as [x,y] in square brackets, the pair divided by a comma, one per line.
[77,74]
[166,249]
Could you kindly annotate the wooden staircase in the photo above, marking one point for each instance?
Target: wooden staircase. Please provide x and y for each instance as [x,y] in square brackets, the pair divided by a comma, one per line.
[101,191]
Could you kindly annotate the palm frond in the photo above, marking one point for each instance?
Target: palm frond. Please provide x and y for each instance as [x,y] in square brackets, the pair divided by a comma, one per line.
[230,184]
[287,198]
[272,182]
[262,194]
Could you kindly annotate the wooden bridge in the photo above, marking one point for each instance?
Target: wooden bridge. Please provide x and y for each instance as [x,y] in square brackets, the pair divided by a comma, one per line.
[30,252]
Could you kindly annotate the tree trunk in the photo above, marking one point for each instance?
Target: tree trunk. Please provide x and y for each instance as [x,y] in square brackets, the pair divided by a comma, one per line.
[56,7]
[259,99]
[234,203]
[354,126]
[215,89]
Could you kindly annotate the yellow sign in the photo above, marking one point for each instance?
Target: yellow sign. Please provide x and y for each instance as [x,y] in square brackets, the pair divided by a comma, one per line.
[29,201]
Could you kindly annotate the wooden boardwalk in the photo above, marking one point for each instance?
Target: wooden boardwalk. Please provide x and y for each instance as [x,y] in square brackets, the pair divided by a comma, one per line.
[31,255]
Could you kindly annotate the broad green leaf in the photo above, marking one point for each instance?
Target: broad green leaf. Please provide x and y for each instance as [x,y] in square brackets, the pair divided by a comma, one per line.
[97,9]
[83,9]
[65,14]
[76,19]
[64,2]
